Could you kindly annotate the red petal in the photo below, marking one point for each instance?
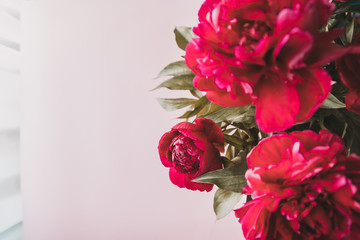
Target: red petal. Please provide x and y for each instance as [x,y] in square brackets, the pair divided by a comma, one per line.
[223,98]
[326,138]
[286,19]
[319,220]
[213,132]
[312,92]
[325,51]
[183,180]
[205,84]
[254,217]
[344,197]
[352,101]
[193,131]
[277,105]
[286,228]
[308,138]
[177,178]
[210,160]
[348,70]
[187,126]
[265,181]
[316,14]
[270,151]
[292,48]
[164,144]
[193,52]
[254,15]
[205,8]
[189,184]
[355,231]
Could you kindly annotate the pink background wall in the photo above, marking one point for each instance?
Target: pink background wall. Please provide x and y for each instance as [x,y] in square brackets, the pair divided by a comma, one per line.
[90,126]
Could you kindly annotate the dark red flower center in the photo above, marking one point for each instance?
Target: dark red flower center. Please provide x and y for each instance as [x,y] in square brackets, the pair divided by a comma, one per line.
[185,155]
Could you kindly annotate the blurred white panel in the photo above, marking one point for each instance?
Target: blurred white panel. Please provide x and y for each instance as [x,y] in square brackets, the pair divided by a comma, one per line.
[10,198]
[9,100]
[10,212]
[9,154]
[13,233]
[9,59]
[12,4]
[9,25]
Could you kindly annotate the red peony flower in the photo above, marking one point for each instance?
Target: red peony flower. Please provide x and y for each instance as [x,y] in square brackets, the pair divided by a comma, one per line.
[348,68]
[265,52]
[190,150]
[304,186]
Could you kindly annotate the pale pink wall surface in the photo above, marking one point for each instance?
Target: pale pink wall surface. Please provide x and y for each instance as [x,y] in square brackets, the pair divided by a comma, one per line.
[90,126]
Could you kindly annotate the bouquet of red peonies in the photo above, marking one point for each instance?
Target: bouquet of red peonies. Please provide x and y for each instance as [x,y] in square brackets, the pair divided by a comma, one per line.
[274,115]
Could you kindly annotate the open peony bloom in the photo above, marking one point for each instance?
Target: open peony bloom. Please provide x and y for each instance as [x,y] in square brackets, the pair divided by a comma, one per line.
[190,150]
[304,186]
[265,52]
[348,68]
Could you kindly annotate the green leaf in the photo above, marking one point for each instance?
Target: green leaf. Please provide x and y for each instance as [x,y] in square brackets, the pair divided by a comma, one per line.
[178,83]
[234,141]
[211,108]
[175,69]
[352,133]
[231,179]
[196,93]
[230,113]
[226,162]
[350,31]
[331,23]
[229,130]
[171,104]
[348,6]
[224,202]
[332,102]
[230,152]
[200,104]
[183,36]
